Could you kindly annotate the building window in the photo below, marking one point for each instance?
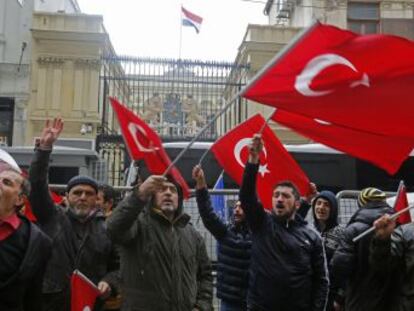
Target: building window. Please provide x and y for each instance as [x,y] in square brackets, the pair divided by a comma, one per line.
[363,17]
[6,121]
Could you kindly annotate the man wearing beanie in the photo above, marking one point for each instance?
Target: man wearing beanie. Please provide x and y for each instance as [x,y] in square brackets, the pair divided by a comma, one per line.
[78,233]
[357,285]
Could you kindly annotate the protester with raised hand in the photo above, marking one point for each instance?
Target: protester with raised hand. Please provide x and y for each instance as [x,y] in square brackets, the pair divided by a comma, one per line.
[78,233]
[234,247]
[164,262]
[288,266]
[24,248]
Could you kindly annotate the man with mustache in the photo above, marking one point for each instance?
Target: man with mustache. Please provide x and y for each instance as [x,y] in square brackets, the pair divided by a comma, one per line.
[164,261]
[24,248]
[78,232]
[288,265]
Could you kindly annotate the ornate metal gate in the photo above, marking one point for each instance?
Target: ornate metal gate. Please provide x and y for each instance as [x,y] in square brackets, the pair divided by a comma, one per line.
[175,97]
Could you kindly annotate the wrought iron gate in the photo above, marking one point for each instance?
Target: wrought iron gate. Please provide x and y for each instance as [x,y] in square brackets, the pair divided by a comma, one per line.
[175,97]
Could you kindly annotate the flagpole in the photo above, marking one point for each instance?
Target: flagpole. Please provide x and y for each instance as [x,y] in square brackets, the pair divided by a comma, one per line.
[267,121]
[181,31]
[260,132]
[270,64]
[393,217]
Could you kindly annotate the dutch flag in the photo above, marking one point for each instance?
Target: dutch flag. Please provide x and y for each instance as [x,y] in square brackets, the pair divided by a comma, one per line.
[191,19]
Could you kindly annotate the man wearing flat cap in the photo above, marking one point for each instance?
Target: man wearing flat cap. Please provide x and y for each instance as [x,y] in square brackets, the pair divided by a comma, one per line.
[78,233]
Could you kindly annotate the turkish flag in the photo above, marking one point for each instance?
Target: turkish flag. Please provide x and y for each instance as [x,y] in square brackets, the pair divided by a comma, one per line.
[384,151]
[144,143]
[363,82]
[276,164]
[83,292]
[401,202]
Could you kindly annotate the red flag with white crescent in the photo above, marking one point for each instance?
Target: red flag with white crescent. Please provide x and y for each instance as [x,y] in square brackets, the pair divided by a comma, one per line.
[364,82]
[144,143]
[276,164]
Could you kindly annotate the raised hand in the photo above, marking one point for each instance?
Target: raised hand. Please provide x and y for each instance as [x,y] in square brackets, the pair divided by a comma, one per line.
[313,192]
[51,132]
[150,186]
[255,147]
[198,176]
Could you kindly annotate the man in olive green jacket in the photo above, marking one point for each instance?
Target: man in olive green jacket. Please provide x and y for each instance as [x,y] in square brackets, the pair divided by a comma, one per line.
[164,262]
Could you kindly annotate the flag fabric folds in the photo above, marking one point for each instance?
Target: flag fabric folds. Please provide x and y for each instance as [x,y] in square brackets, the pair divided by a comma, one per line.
[83,292]
[384,151]
[276,164]
[191,19]
[362,82]
[144,143]
[401,202]
[217,200]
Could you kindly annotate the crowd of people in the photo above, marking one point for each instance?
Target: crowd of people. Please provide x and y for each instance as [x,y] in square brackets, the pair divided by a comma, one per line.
[144,254]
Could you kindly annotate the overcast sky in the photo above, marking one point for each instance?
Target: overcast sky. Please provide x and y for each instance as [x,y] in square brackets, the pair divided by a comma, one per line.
[152,27]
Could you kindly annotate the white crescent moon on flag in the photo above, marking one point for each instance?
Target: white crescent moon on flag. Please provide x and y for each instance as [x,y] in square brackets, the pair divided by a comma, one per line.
[135,129]
[244,142]
[315,66]
[86,308]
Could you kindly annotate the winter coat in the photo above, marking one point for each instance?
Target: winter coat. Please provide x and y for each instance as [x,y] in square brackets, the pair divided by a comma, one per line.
[22,290]
[333,232]
[396,256]
[234,250]
[82,245]
[288,266]
[365,288]
[164,264]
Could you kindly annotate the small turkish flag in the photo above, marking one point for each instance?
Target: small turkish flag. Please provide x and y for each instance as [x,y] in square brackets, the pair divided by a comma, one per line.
[144,143]
[276,164]
[83,292]
[364,145]
[401,202]
[363,82]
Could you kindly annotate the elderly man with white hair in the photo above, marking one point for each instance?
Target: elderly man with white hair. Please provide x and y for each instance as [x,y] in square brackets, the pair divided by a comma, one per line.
[24,248]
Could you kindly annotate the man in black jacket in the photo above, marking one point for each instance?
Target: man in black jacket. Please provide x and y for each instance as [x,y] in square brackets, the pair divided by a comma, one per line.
[234,248]
[78,233]
[24,248]
[164,261]
[288,266]
[356,284]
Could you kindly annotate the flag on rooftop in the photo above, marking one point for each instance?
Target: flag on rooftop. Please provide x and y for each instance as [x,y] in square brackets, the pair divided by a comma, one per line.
[190,19]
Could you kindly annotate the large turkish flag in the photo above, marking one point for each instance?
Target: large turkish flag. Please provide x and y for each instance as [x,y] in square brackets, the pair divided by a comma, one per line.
[276,164]
[363,82]
[144,143]
[384,151]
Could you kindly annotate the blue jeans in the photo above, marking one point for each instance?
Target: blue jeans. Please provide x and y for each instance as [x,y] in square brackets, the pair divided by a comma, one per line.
[228,306]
